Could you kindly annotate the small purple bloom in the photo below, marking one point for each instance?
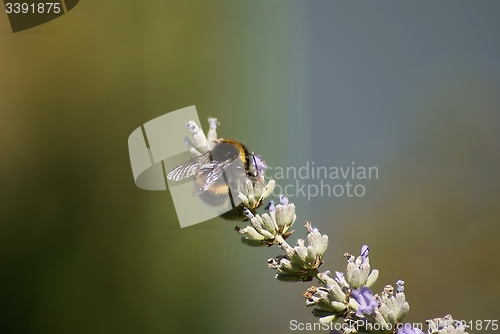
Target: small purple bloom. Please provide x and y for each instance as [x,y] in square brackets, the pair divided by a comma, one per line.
[400,286]
[259,164]
[271,207]
[193,127]
[409,330]
[283,199]
[213,123]
[247,213]
[367,304]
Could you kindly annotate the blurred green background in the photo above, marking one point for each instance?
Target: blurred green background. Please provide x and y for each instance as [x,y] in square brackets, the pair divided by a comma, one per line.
[409,87]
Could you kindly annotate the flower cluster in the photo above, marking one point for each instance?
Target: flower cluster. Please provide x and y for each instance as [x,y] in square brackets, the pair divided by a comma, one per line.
[266,229]
[346,295]
[393,306]
[446,325]
[300,262]
[358,272]
[256,192]
[349,297]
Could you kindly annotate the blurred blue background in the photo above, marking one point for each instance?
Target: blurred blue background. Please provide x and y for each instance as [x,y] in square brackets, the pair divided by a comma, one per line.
[409,87]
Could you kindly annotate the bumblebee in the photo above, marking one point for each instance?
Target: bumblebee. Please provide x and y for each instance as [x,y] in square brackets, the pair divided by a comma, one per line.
[219,175]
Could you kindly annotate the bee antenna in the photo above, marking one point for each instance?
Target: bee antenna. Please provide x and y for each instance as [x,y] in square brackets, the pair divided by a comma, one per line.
[254,161]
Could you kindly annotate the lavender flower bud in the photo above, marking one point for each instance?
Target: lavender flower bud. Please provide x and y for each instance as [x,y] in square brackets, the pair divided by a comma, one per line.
[199,140]
[212,132]
[339,277]
[400,286]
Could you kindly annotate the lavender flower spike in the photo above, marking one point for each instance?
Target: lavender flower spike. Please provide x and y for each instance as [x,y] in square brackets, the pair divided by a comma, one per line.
[367,304]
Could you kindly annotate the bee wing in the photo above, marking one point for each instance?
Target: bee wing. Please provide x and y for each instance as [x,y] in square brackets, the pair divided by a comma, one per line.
[214,173]
[189,168]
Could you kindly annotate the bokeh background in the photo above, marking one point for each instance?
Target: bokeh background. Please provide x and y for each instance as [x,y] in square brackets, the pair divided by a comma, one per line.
[411,87]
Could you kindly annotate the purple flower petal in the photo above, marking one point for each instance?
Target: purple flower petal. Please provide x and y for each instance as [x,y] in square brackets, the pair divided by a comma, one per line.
[364,297]
[271,206]
[339,277]
[283,199]
[259,164]
[213,123]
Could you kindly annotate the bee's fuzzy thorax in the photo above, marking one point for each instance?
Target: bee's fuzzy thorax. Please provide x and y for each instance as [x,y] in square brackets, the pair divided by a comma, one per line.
[243,151]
